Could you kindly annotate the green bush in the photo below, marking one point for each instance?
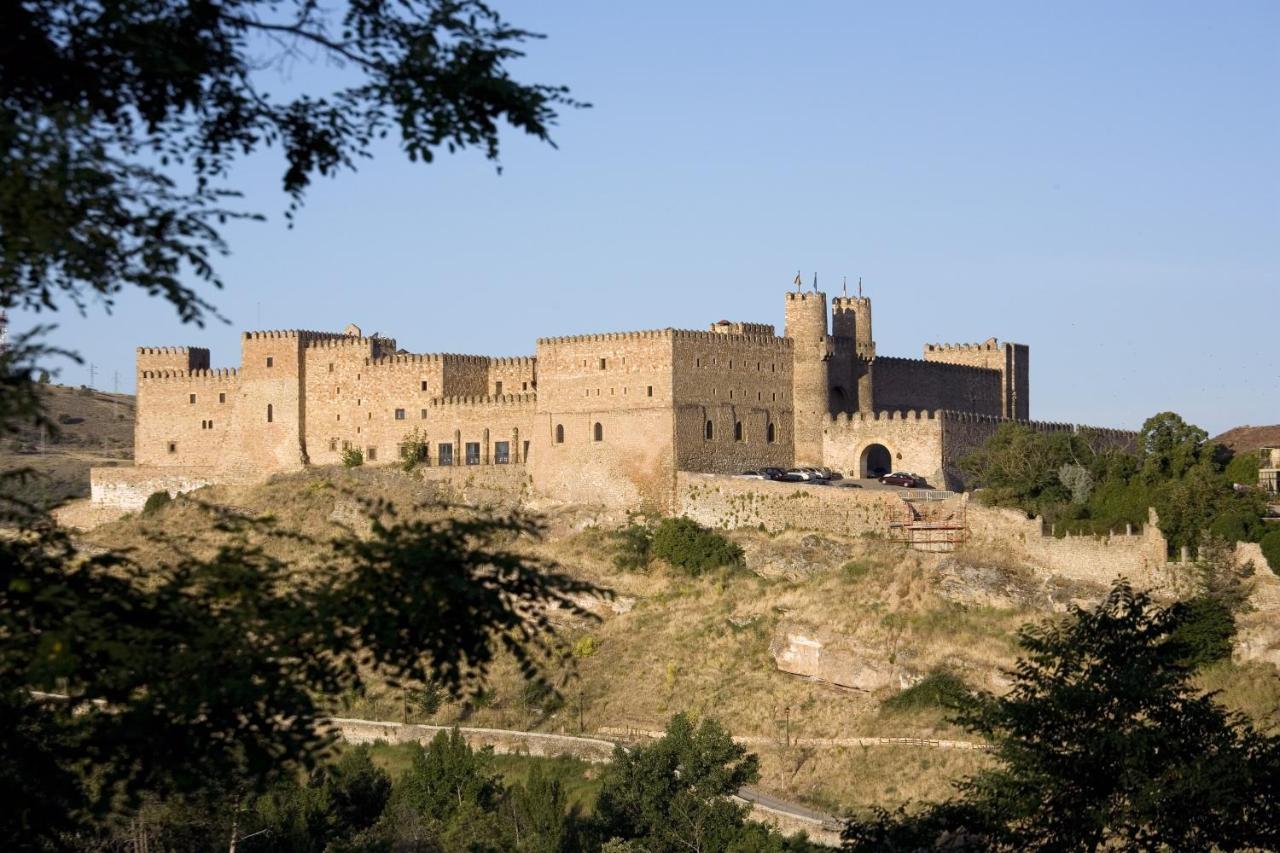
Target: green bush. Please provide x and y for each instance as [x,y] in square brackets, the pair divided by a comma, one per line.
[941,688]
[1271,549]
[155,502]
[352,457]
[1243,468]
[634,545]
[687,545]
[1205,630]
[1236,525]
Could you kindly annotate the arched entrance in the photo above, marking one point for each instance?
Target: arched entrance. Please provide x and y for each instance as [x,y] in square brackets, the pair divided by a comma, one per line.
[876,461]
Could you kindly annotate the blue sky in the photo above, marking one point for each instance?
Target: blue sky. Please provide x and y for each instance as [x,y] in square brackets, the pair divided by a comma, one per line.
[1100,181]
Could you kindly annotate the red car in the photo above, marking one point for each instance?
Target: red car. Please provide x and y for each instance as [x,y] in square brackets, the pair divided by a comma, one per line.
[902,478]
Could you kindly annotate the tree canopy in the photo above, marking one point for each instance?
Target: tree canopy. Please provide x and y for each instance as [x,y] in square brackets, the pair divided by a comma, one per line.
[121,120]
[1103,742]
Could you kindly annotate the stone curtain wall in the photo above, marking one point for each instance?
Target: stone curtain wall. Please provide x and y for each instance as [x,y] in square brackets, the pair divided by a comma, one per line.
[128,488]
[730,380]
[503,742]
[727,502]
[1011,360]
[905,384]
[173,430]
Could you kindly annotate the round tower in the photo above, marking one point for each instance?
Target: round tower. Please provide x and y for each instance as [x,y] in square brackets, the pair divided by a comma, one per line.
[806,326]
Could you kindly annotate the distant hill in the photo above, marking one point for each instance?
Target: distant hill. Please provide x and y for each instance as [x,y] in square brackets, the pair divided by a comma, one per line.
[93,428]
[1242,439]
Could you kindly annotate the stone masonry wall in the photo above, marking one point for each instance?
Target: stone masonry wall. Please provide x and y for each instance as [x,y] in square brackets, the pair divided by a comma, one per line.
[906,383]
[1011,360]
[726,502]
[913,439]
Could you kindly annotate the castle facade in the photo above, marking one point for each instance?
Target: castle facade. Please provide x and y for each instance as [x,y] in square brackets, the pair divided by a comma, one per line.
[602,418]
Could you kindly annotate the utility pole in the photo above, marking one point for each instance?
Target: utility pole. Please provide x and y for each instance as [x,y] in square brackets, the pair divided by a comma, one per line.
[93,372]
[788,729]
[115,395]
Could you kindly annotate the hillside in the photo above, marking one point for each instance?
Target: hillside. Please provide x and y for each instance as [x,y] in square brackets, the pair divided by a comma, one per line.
[1242,439]
[882,617]
[92,428]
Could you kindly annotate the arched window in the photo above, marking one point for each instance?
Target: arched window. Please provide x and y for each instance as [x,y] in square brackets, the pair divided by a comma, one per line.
[709,432]
[597,432]
[770,434]
[559,433]
[737,430]
[269,413]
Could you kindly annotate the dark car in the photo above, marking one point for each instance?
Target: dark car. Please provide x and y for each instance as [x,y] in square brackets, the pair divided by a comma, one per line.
[772,473]
[903,478]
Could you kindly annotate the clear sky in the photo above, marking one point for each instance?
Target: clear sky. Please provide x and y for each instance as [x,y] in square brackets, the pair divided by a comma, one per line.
[1100,181]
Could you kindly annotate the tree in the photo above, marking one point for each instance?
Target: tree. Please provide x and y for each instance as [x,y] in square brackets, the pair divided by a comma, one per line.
[1103,742]
[1170,446]
[120,121]
[674,795]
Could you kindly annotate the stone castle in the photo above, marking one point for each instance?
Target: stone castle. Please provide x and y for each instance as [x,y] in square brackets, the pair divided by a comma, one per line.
[602,418]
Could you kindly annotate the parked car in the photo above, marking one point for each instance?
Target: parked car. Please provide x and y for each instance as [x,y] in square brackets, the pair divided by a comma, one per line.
[772,473]
[903,478]
[753,475]
[797,474]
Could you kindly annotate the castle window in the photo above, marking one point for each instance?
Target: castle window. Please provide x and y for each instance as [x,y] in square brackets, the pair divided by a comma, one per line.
[333,444]
[524,386]
[649,391]
[730,393]
[602,364]
[369,416]
[473,452]
[192,399]
[399,414]
[424,385]
[222,398]
[357,401]
[559,433]
[737,430]
[757,367]
[731,364]
[775,396]
[709,431]
[444,452]
[270,361]
[497,387]
[501,452]
[331,367]
[697,362]
[759,396]
[597,432]
[270,413]
[770,434]
[346,445]
[210,424]
[339,417]
[371,453]
[173,447]
[424,414]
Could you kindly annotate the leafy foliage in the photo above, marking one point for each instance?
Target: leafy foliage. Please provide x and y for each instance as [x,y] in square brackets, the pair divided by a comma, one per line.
[1271,549]
[155,502]
[674,794]
[687,545]
[1103,742]
[352,457]
[120,122]
[633,548]
[1060,477]
[939,689]
[411,600]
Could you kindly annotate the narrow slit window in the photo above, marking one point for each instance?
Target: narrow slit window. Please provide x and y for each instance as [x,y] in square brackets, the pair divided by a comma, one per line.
[270,413]
[737,430]
[597,432]
[709,431]
[559,433]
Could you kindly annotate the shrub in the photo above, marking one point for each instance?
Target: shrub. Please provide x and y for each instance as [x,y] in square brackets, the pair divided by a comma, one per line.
[941,688]
[1243,468]
[634,545]
[687,545]
[585,647]
[1236,525]
[352,457]
[413,450]
[1271,549]
[155,502]
[1204,631]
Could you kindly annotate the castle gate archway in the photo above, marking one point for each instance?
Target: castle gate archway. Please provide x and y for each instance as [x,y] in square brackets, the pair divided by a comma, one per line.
[876,461]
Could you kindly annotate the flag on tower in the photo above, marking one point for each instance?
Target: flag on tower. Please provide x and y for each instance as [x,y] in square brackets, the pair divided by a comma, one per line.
[815,282]
[797,281]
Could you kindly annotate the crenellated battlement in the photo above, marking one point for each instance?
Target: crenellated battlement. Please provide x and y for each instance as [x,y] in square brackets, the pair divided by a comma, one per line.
[768,341]
[807,296]
[287,334]
[849,303]
[341,341]
[893,359]
[432,358]
[514,361]
[646,335]
[681,334]
[218,374]
[521,399]
[847,418]
[197,351]
[989,345]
